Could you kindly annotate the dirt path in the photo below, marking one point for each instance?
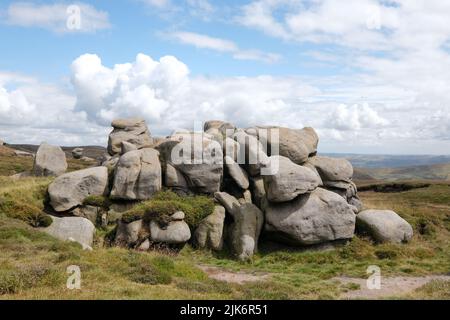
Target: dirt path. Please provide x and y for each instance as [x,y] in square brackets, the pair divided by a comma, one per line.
[390,286]
[232,277]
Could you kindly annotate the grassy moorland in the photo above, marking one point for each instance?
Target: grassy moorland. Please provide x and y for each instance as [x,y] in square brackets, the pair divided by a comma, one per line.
[33,264]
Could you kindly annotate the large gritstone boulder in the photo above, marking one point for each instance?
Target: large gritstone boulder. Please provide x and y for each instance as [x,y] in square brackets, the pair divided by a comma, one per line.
[69,190]
[384,226]
[295,144]
[313,218]
[75,229]
[134,131]
[246,227]
[288,180]
[194,161]
[209,233]
[137,175]
[251,154]
[49,161]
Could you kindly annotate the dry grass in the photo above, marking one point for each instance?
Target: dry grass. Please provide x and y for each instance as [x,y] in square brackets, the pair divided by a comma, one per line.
[33,265]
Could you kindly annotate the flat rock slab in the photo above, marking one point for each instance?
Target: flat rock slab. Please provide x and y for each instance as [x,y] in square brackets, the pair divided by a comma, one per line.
[75,229]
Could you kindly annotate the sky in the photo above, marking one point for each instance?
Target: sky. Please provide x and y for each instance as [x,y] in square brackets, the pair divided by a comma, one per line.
[371,76]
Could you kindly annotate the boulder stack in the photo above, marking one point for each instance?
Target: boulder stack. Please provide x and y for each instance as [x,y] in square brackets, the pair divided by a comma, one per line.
[268,181]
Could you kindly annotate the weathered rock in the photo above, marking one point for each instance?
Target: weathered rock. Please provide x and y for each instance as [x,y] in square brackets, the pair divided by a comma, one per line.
[209,233]
[2,143]
[384,226]
[127,147]
[231,148]
[20,153]
[177,216]
[174,178]
[289,180]
[295,144]
[70,189]
[111,163]
[127,234]
[258,192]
[138,175]
[49,161]
[251,153]
[134,131]
[76,229]
[176,232]
[77,153]
[246,227]
[226,129]
[333,170]
[237,173]
[89,212]
[313,218]
[357,203]
[197,158]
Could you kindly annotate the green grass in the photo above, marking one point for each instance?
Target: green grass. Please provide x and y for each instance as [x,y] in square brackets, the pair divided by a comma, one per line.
[33,264]
[165,203]
[24,200]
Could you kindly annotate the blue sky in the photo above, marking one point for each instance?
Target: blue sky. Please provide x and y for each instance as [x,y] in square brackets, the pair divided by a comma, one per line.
[371,77]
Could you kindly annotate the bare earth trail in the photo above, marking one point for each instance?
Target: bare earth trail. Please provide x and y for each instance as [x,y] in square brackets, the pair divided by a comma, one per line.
[390,286]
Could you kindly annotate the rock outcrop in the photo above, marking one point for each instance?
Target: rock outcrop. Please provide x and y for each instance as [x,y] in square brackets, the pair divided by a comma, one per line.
[138,175]
[133,131]
[246,227]
[69,190]
[288,180]
[77,153]
[75,229]
[384,226]
[313,218]
[209,234]
[49,161]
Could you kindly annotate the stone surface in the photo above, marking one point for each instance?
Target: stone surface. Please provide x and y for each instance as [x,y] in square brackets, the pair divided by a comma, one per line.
[251,153]
[177,216]
[333,170]
[89,212]
[127,147]
[70,189]
[77,153]
[226,129]
[237,173]
[49,161]
[258,191]
[289,180]
[246,227]
[177,232]
[137,175]
[209,234]
[313,218]
[76,229]
[198,159]
[127,234]
[384,226]
[134,131]
[295,144]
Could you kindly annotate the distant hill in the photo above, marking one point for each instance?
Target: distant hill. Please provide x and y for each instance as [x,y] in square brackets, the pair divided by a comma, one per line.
[390,161]
[430,172]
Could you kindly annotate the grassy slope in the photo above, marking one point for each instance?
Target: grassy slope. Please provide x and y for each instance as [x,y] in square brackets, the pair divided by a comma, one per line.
[33,265]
